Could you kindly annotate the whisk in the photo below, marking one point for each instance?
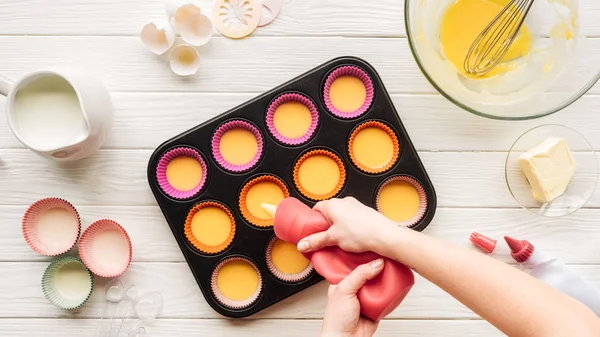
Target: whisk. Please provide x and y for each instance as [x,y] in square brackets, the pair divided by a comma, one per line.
[495,40]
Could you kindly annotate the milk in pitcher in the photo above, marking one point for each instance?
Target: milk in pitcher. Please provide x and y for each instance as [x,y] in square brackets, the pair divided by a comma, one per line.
[48,114]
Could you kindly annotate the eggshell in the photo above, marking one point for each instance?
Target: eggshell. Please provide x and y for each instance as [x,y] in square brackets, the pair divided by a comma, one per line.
[158,36]
[184,60]
[197,30]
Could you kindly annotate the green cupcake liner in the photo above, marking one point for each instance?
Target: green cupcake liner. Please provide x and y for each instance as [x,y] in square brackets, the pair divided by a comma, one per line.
[75,289]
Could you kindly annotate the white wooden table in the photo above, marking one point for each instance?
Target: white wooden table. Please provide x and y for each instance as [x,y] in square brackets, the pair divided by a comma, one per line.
[464,155]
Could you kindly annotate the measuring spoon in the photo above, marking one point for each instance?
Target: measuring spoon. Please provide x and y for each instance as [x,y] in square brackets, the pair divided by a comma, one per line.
[147,309]
[131,295]
[115,290]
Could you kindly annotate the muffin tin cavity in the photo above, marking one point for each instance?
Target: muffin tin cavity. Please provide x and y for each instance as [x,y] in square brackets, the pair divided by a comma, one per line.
[403,200]
[373,147]
[263,189]
[182,173]
[210,227]
[292,119]
[236,283]
[286,263]
[348,92]
[237,146]
[319,174]
[331,132]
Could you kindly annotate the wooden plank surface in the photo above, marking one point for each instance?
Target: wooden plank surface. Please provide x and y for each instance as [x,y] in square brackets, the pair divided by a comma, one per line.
[298,18]
[253,328]
[183,299]
[145,120]
[123,64]
[463,154]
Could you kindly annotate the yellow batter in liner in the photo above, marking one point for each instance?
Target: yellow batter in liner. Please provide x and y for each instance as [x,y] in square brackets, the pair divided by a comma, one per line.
[238,146]
[399,201]
[465,20]
[374,147]
[238,280]
[210,227]
[265,189]
[184,173]
[292,119]
[287,259]
[319,175]
[347,93]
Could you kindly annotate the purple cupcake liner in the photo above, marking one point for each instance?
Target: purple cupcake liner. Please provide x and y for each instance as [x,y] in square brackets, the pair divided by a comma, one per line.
[349,71]
[216,141]
[161,172]
[292,97]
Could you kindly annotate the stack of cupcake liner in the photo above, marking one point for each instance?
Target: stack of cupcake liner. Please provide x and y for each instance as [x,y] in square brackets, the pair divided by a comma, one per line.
[52,227]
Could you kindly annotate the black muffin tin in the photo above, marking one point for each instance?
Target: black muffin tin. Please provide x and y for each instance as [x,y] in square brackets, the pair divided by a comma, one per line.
[332,134]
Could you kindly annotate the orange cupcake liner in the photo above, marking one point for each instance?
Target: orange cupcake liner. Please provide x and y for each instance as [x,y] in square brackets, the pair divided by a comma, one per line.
[224,300]
[291,278]
[244,194]
[337,188]
[89,256]
[422,198]
[187,229]
[389,132]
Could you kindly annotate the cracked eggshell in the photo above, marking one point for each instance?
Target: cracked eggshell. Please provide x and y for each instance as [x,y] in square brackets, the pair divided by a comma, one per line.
[158,36]
[197,30]
[184,60]
[171,6]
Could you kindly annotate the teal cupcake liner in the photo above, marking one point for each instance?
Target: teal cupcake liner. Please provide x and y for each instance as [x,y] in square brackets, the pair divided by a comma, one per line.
[67,283]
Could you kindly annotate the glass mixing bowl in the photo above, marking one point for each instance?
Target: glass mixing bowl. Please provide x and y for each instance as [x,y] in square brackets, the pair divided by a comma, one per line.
[562,66]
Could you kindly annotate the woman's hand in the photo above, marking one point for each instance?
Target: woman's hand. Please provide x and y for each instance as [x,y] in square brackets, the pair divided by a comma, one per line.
[355,227]
[342,315]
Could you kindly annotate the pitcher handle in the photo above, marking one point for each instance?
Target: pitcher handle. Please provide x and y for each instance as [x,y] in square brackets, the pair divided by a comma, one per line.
[5,85]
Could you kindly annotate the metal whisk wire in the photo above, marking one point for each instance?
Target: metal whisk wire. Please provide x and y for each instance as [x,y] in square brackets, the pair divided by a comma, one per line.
[495,40]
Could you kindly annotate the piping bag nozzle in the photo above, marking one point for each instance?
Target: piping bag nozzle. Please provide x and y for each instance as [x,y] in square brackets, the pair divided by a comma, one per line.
[483,242]
[521,250]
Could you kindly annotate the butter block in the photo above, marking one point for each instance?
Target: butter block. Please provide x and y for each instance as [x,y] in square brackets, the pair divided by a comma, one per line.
[549,168]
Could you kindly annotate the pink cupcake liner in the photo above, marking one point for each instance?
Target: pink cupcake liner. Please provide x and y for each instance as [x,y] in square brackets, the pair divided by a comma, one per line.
[31,227]
[101,260]
[216,141]
[292,97]
[349,71]
[422,197]
[227,302]
[291,278]
[161,172]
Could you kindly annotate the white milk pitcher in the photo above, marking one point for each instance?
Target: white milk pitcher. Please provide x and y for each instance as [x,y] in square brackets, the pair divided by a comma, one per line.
[62,115]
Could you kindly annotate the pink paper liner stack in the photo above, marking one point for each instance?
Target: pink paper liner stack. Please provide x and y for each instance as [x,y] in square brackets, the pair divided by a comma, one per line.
[31,220]
[349,71]
[227,302]
[291,278]
[216,142]
[422,197]
[88,255]
[286,98]
[161,172]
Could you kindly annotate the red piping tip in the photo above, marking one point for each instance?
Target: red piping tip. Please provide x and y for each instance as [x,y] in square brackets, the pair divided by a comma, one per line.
[521,249]
[483,242]
[514,244]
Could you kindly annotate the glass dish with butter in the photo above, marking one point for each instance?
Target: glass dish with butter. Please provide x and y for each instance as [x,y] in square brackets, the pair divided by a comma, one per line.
[552,170]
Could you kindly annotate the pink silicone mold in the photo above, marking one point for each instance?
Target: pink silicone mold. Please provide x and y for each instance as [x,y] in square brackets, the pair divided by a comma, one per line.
[216,141]
[161,172]
[292,97]
[349,71]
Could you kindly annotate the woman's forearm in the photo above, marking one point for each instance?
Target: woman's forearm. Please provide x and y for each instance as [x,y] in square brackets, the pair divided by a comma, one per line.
[513,301]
